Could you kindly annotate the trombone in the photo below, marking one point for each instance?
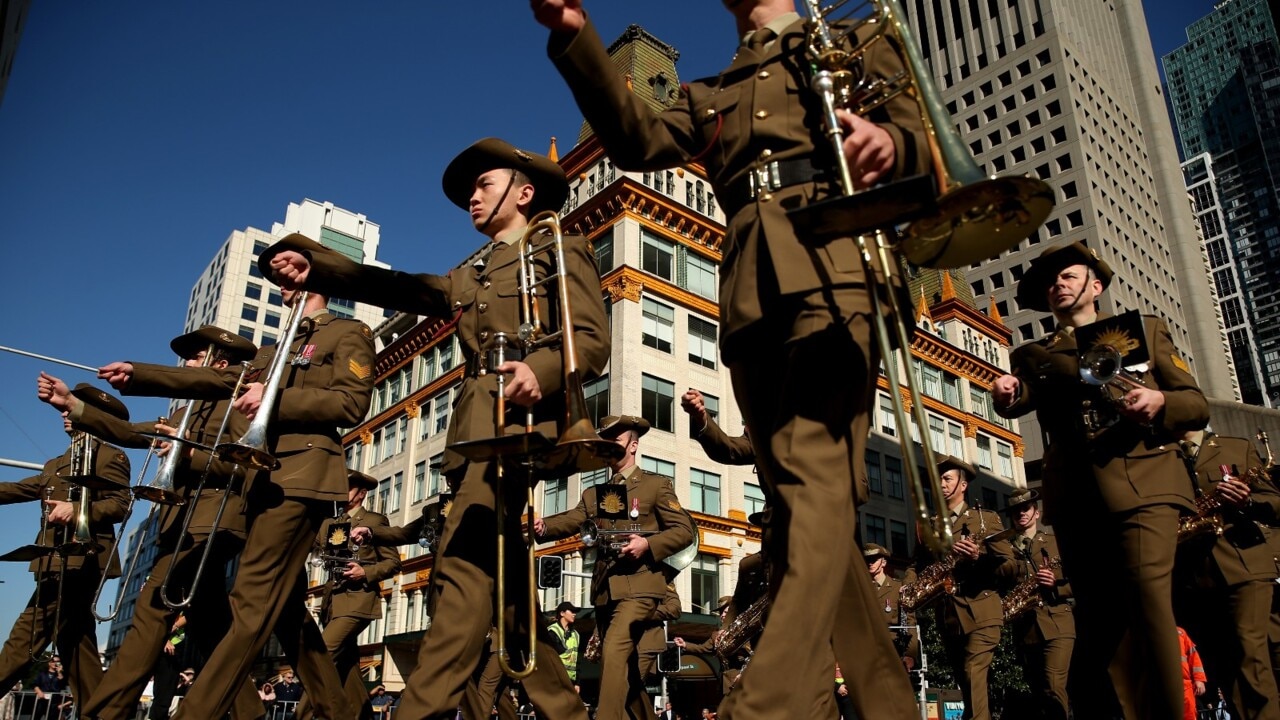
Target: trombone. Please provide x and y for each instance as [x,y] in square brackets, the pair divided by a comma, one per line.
[250,451]
[974,217]
[114,610]
[578,448]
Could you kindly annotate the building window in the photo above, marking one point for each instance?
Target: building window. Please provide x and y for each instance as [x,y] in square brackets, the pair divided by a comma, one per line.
[249,312]
[1004,451]
[271,319]
[657,402]
[252,291]
[661,467]
[440,409]
[596,477]
[955,434]
[657,256]
[604,254]
[704,581]
[893,476]
[555,496]
[434,486]
[754,496]
[898,538]
[874,481]
[704,491]
[658,325]
[875,531]
[888,424]
[700,275]
[246,333]
[397,485]
[420,481]
[702,342]
[275,299]
[984,452]
[596,395]
[389,443]
[384,496]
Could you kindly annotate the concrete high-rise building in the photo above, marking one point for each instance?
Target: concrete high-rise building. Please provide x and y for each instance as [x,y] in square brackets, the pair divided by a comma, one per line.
[232,294]
[657,238]
[1068,92]
[1224,92]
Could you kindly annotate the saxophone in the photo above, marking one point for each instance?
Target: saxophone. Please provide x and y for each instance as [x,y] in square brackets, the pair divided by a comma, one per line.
[939,577]
[1207,519]
[592,652]
[1026,595]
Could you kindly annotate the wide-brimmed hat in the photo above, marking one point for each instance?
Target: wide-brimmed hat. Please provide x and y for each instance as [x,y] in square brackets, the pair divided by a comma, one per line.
[297,242]
[950,462]
[549,182]
[189,345]
[355,478]
[723,602]
[871,551]
[614,425]
[1044,270]
[101,399]
[1022,496]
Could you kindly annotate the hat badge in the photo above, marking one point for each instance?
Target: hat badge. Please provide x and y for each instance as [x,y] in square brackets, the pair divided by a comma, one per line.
[224,337]
[524,156]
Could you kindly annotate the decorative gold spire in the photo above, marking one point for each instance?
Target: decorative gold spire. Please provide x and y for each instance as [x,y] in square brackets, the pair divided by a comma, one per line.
[630,88]
[553,153]
[922,310]
[992,311]
[948,288]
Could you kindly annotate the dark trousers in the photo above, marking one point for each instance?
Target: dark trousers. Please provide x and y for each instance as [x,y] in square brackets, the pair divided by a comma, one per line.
[622,691]
[810,434]
[463,599]
[486,690]
[270,595]
[142,652]
[342,637]
[77,639]
[1121,570]
[970,656]
[1228,624]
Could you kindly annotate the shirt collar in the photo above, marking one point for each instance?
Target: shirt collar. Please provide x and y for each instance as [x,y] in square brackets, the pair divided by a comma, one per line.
[777,25]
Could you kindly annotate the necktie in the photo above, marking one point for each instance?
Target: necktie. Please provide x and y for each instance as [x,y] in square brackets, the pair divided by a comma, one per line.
[760,38]
[618,479]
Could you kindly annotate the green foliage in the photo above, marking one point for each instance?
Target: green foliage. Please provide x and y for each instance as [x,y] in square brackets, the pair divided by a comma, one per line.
[1006,687]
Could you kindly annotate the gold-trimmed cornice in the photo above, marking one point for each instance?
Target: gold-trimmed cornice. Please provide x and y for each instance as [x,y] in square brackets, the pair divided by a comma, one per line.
[413,343]
[626,276]
[654,210]
[417,398]
[970,421]
[938,352]
[956,308]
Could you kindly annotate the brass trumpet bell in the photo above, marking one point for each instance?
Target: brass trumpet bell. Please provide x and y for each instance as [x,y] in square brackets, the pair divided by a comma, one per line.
[977,221]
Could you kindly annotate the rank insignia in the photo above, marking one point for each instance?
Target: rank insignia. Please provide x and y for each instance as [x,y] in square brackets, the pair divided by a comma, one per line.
[1179,363]
[303,358]
[611,502]
[360,371]
[364,330]
[674,505]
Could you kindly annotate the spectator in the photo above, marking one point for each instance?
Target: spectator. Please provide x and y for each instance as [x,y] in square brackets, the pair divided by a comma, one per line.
[288,693]
[185,678]
[1193,677]
[268,694]
[380,701]
[50,688]
[567,639]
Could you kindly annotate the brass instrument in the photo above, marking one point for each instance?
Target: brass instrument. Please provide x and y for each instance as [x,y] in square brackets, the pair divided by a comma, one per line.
[181,604]
[592,651]
[610,540]
[46,653]
[1207,519]
[1261,436]
[577,449]
[1101,366]
[1026,595]
[137,551]
[939,578]
[250,451]
[84,456]
[746,626]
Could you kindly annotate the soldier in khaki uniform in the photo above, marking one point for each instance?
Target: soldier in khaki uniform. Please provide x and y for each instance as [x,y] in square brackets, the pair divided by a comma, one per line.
[209,612]
[888,593]
[653,642]
[629,581]
[327,385]
[717,444]
[791,308]
[1113,493]
[728,673]
[76,637]
[353,602]
[1045,636]
[969,619]
[501,187]
[1223,597]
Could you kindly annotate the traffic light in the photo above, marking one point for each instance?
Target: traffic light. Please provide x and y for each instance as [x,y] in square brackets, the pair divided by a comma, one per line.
[550,572]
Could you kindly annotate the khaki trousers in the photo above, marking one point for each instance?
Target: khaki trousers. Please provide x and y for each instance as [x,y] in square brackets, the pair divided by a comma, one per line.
[1045,666]
[622,690]
[270,596]
[208,618]
[463,603]
[342,637]
[805,391]
[970,657]
[487,689]
[77,639]
[1121,570]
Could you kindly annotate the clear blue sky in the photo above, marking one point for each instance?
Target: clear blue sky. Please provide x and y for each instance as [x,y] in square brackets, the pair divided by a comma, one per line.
[135,137]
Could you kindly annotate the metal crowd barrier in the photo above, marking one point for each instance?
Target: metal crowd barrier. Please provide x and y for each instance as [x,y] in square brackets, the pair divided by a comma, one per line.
[26,705]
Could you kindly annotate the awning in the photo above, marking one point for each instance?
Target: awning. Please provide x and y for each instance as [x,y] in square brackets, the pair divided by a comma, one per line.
[694,667]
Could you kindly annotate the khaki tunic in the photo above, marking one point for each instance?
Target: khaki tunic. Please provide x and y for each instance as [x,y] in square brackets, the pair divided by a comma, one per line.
[360,599]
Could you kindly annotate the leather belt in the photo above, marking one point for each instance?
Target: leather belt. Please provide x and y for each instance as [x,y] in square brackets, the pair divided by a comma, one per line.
[764,178]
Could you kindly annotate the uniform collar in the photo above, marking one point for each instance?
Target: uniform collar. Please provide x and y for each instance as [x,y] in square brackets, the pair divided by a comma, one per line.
[630,473]
[777,25]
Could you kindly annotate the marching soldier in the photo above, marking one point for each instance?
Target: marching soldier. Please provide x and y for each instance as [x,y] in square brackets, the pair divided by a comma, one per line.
[970,618]
[728,673]
[501,187]
[353,600]
[67,579]
[792,305]
[1114,485]
[1224,598]
[210,613]
[888,593]
[327,385]
[717,444]
[629,581]
[1045,636]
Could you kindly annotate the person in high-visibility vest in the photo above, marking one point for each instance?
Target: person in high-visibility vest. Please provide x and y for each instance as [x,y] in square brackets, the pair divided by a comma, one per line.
[568,638]
[1193,677]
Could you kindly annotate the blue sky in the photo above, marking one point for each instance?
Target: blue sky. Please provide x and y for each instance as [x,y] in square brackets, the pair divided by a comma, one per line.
[135,137]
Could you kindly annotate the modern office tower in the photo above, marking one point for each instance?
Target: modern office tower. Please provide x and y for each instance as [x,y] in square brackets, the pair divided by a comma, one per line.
[657,239]
[232,294]
[1068,92]
[1225,100]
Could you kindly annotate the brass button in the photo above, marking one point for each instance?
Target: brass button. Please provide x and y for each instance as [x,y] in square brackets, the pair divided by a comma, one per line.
[762,114]
[766,197]
[310,445]
[764,75]
[711,112]
[484,335]
[487,283]
[766,154]
[483,307]
[457,303]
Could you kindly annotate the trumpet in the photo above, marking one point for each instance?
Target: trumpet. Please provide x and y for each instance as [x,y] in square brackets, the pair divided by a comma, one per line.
[578,448]
[250,451]
[84,454]
[612,539]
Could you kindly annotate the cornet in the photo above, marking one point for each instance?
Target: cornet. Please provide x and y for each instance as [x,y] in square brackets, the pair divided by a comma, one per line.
[613,539]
